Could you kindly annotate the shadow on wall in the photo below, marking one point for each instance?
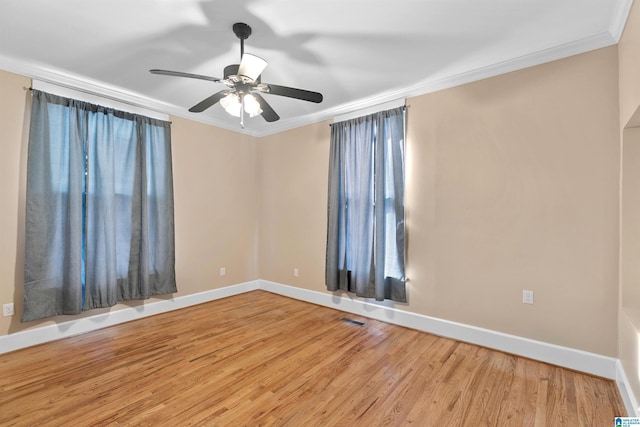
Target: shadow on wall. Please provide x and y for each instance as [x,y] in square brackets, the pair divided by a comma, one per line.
[370,307]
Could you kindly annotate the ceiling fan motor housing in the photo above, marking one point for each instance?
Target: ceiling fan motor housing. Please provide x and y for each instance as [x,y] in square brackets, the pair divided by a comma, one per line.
[231,70]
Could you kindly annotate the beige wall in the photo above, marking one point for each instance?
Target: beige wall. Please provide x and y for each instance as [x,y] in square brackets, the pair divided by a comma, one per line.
[524,196]
[629,310]
[512,184]
[13,127]
[293,206]
[216,204]
[629,313]
[629,54]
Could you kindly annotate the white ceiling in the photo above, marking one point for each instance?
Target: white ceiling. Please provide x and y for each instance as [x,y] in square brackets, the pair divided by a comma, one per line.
[357,53]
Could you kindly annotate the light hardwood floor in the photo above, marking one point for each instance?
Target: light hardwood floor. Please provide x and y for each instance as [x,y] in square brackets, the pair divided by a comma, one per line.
[262,359]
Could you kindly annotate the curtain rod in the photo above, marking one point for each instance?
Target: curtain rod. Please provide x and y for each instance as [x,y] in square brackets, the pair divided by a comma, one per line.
[148,111]
[30,89]
[404,107]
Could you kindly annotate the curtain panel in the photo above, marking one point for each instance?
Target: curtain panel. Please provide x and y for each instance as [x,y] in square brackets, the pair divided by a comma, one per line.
[99,208]
[365,218]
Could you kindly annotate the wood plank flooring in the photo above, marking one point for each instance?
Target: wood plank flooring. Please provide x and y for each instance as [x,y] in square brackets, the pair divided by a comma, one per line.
[262,359]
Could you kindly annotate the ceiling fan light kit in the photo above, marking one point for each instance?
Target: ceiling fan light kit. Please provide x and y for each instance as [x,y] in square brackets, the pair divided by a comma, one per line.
[244,86]
[232,104]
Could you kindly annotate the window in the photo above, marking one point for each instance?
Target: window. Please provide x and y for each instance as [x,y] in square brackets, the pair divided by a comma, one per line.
[99,209]
[365,220]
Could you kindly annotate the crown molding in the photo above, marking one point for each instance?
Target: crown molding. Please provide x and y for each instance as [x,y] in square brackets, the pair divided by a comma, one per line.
[74,81]
[619,20]
[80,83]
[566,50]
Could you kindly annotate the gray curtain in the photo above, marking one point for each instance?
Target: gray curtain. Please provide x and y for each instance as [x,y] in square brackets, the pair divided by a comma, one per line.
[365,218]
[99,208]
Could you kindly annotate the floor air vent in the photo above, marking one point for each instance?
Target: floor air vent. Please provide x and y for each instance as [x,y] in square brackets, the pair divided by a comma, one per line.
[355,322]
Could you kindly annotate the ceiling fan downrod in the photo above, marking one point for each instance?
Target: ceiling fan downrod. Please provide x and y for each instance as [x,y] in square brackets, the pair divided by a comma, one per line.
[242,31]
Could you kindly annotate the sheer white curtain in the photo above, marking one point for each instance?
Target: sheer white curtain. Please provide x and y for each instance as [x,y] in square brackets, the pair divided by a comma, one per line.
[365,219]
[99,208]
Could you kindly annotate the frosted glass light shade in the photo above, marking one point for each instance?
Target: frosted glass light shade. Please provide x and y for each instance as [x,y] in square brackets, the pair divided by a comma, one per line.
[251,106]
[251,66]
[231,104]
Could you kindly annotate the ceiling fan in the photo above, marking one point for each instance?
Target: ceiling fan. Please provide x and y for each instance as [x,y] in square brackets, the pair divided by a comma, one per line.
[244,85]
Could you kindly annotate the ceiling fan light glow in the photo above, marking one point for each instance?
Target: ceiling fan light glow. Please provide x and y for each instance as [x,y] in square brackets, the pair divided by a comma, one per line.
[231,104]
[251,106]
[251,66]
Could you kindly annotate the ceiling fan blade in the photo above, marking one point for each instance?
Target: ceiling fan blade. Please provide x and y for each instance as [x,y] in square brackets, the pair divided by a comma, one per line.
[267,112]
[208,102]
[251,66]
[181,74]
[305,95]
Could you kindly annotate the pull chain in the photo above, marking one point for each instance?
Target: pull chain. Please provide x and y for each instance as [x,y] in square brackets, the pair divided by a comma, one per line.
[242,111]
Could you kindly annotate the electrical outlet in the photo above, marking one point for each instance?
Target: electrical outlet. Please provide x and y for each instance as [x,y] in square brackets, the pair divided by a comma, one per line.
[223,271]
[295,272]
[7,310]
[527,297]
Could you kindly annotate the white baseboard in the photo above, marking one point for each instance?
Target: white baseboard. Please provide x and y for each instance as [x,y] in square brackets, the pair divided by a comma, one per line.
[626,393]
[579,360]
[42,334]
